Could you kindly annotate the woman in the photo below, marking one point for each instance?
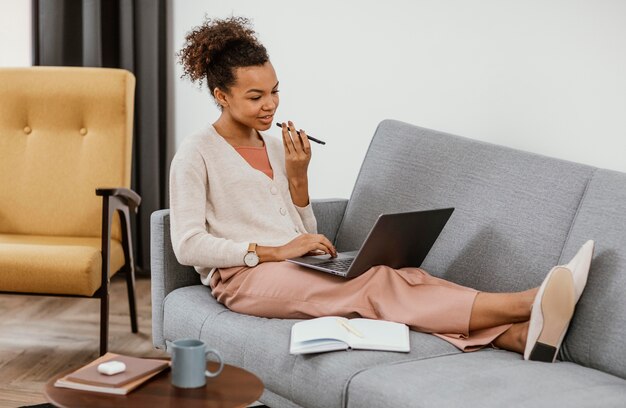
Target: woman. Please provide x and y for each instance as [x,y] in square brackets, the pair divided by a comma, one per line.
[240,207]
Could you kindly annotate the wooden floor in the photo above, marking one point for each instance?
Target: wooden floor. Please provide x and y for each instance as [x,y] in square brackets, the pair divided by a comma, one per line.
[42,336]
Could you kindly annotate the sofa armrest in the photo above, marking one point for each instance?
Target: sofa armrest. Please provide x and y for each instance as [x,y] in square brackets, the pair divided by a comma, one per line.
[167,273]
[329,213]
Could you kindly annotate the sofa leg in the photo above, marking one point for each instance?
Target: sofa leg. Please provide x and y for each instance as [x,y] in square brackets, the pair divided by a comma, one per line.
[130,285]
[104,322]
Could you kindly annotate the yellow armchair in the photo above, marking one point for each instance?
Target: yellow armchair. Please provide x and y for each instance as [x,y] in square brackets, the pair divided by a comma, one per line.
[65,169]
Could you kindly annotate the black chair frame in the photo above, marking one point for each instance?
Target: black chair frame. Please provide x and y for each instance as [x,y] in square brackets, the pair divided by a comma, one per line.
[122,200]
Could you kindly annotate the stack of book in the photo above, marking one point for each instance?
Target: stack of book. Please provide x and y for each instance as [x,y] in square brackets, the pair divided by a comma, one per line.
[138,371]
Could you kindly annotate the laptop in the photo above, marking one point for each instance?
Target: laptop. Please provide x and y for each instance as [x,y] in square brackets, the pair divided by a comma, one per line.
[397,240]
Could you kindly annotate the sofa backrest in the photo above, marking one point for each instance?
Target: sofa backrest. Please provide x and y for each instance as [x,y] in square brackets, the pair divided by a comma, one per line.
[513,220]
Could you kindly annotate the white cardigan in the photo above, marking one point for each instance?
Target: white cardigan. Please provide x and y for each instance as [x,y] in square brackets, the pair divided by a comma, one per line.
[219,203]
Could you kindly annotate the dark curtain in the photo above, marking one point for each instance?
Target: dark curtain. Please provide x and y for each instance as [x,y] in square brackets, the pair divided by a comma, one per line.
[129,34]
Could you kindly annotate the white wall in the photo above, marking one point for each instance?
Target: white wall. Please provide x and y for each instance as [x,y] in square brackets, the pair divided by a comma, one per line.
[15,33]
[546,76]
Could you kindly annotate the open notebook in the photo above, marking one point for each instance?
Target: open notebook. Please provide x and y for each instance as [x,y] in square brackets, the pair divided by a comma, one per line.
[338,333]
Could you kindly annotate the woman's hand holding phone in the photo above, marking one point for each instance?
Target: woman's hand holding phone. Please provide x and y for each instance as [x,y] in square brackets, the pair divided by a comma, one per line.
[297,158]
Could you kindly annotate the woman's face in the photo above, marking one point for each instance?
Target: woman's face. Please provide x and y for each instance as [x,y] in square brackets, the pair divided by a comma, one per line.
[253,99]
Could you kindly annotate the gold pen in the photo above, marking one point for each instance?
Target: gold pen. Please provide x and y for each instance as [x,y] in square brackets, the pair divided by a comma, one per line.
[349,328]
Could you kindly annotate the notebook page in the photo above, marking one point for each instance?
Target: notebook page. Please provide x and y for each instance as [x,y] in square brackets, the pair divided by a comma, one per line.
[380,335]
[319,328]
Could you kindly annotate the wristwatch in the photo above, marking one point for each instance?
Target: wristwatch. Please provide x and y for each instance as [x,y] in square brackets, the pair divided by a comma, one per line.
[251,259]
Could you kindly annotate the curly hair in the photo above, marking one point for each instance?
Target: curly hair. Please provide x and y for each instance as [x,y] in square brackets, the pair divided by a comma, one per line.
[214,49]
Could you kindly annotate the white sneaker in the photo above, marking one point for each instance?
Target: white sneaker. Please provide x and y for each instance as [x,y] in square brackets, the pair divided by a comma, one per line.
[554,306]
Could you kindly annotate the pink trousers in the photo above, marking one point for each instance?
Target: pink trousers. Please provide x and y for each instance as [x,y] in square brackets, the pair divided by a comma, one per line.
[409,295]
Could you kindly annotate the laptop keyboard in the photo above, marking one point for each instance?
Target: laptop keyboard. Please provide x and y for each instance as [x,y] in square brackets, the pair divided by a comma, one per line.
[341,265]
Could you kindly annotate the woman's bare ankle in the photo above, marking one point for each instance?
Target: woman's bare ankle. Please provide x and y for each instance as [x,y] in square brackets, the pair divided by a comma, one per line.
[514,339]
[526,300]
[523,335]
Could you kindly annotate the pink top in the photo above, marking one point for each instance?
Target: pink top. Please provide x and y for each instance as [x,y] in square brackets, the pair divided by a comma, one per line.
[257,158]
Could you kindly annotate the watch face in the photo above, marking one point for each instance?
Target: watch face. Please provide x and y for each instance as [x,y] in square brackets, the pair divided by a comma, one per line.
[251,259]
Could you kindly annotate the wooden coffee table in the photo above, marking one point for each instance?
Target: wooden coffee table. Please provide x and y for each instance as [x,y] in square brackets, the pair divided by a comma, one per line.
[234,387]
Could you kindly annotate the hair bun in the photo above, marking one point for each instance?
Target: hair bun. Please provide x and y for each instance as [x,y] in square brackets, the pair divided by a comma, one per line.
[205,44]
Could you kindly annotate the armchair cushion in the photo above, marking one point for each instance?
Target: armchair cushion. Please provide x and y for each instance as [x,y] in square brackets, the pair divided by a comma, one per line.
[54,265]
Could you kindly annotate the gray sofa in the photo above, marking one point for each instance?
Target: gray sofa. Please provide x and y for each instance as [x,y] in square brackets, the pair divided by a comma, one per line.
[517,214]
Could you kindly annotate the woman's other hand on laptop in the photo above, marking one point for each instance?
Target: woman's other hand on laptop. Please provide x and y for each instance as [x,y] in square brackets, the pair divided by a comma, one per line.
[301,245]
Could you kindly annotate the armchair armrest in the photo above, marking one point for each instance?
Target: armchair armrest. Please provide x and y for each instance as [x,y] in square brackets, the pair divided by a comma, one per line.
[120,200]
[329,213]
[126,196]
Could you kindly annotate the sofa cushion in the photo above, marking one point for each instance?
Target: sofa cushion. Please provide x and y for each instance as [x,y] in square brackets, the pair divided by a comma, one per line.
[598,329]
[261,346]
[490,378]
[513,209]
[331,372]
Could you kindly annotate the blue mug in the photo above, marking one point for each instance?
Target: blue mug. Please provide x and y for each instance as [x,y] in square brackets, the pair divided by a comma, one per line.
[189,357]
